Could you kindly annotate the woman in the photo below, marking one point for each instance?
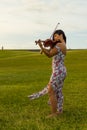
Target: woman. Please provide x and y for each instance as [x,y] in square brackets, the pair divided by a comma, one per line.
[55,85]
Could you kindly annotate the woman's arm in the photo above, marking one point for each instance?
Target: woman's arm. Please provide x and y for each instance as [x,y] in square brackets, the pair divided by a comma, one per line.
[48,53]
[54,51]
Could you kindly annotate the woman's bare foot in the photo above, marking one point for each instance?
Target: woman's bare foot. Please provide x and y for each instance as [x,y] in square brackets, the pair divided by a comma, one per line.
[54,114]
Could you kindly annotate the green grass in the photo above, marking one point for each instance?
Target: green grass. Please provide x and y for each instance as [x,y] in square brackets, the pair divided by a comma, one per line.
[23,73]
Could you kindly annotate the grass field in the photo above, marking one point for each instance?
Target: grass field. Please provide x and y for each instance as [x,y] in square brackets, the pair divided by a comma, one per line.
[23,73]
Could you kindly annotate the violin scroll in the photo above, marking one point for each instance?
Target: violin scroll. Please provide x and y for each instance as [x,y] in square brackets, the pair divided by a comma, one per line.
[38,41]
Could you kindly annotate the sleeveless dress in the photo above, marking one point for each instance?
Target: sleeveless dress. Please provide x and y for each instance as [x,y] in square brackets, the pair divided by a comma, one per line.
[58,76]
[56,79]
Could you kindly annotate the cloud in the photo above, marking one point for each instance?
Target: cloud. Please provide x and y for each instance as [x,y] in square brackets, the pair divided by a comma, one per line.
[31,19]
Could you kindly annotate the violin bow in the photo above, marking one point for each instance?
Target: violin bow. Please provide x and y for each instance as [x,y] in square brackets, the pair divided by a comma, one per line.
[54,30]
[51,35]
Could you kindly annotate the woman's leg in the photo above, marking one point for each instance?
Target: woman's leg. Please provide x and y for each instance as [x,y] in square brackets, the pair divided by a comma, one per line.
[59,96]
[53,99]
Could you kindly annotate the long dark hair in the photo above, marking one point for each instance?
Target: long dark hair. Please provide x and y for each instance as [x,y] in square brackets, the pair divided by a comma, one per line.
[59,32]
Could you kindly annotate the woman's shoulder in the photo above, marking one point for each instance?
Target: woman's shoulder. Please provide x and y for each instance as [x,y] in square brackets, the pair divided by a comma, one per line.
[61,44]
[62,47]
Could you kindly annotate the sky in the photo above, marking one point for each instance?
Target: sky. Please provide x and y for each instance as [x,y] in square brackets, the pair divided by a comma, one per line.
[24,21]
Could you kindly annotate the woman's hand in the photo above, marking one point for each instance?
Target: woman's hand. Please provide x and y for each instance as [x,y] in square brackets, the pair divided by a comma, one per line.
[39,43]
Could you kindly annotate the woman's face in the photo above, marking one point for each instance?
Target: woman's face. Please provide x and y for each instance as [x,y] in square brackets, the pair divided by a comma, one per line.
[56,37]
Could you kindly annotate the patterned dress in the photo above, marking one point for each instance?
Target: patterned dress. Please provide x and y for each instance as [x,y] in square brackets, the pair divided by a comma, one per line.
[58,76]
[56,79]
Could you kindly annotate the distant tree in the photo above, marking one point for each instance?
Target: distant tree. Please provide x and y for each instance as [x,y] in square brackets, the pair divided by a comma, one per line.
[2,48]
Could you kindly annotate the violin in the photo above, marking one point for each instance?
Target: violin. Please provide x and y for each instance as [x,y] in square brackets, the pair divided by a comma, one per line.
[48,42]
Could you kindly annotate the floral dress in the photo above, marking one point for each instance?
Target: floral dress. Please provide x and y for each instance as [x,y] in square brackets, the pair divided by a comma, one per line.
[56,79]
[58,76]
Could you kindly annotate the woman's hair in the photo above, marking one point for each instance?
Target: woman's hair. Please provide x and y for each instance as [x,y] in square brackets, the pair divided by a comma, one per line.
[59,32]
